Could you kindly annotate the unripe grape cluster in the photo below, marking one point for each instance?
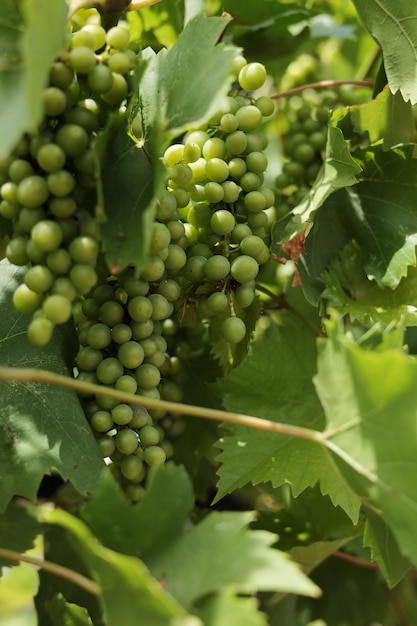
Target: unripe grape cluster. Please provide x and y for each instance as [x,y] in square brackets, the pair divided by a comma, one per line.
[123,345]
[217,177]
[49,181]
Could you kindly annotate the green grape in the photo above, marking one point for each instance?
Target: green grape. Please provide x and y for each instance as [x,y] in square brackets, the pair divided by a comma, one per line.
[54,101]
[141,330]
[126,383]
[72,138]
[102,421]
[57,309]
[106,446]
[256,162]
[255,201]
[181,174]
[157,359]
[51,157]
[9,210]
[32,191]
[217,267]
[61,75]
[230,191]
[222,222]
[83,276]
[170,289]
[120,63]
[244,296]
[16,251]
[121,333]
[154,269]
[214,148]
[149,346]
[126,441]
[111,313]
[88,358]
[154,455]
[140,417]
[28,218]
[194,269]
[62,286]
[149,436]
[248,117]
[40,331]
[217,302]
[217,170]
[131,354]
[61,183]
[244,268]
[122,414]
[147,376]
[25,300]
[99,336]
[118,91]
[47,235]
[233,329]
[265,105]
[140,308]
[100,79]
[252,76]
[161,307]
[236,142]
[131,467]
[62,207]
[237,167]
[109,370]
[39,278]
[117,37]
[213,192]
[192,152]
[250,181]
[82,60]
[20,169]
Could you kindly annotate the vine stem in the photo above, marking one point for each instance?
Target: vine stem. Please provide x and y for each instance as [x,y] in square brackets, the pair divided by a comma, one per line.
[23,375]
[323,84]
[344,556]
[53,568]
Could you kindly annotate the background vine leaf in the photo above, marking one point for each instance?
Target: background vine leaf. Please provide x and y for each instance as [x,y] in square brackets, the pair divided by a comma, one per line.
[42,428]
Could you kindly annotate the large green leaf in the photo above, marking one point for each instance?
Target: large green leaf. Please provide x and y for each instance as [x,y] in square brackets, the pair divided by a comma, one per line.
[29,44]
[43,428]
[64,613]
[379,214]
[128,592]
[192,78]
[339,170]
[394,27]
[142,530]
[227,608]
[369,398]
[228,554]
[127,189]
[18,530]
[275,382]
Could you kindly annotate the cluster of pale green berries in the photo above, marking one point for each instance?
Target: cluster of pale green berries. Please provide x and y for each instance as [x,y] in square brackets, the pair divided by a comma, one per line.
[217,178]
[48,187]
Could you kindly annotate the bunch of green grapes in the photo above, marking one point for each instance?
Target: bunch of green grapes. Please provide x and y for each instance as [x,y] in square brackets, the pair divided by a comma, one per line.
[303,144]
[123,345]
[48,187]
[217,178]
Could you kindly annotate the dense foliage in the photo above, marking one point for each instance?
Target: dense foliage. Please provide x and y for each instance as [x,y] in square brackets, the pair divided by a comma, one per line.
[208,286]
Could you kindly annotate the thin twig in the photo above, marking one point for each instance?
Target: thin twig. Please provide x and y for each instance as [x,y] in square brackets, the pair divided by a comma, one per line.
[357,561]
[323,84]
[22,375]
[53,568]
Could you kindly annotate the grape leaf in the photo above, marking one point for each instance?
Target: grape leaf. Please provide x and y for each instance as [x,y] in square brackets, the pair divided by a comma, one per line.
[228,554]
[192,77]
[379,214]
[361,390]
[394,27]
[275,382]
[127,189]
[387,117]
[339,170]
[384,549]
[127,588]
[29,44]
[18,530]
[42,427]
[227,608]
[64,613]
[147,527]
